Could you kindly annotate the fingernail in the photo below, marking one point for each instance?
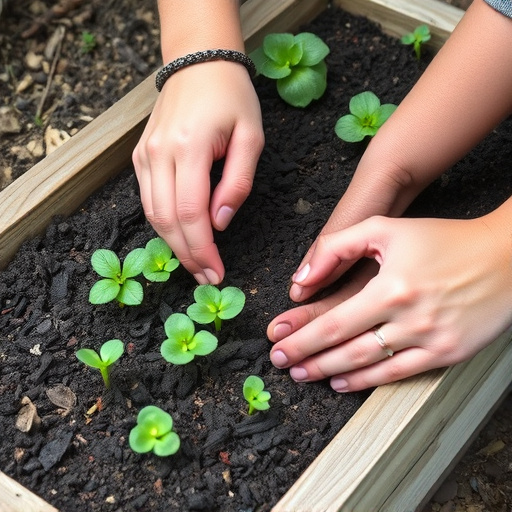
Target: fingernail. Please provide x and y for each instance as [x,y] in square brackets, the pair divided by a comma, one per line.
[302,273]
[279,359]
[296,292]
[211,275]
[298,373]
[224,216]
[282,330]
[339,384]
[201,278]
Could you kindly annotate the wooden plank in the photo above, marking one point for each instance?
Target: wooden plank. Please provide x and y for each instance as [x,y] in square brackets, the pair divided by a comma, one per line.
[397,17]
[64,179]
[394,449]
[15,498]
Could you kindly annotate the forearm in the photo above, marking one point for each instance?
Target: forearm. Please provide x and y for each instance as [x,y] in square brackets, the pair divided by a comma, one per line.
[189,26]
[465,92]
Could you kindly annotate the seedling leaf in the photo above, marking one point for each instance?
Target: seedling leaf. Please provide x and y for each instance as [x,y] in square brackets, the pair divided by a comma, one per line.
[304,85]
[232,301]
[104,291]
[106,263]
[110,352]
[131,293]
[183,343]
[254,393]
[153,432]
[314,50]
[134,263]
[159,261]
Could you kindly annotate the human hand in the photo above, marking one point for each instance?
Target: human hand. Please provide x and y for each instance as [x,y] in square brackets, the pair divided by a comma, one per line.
[205,112]
[443,292]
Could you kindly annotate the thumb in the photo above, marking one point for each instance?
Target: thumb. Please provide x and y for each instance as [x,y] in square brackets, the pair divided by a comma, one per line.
[345,247]
[242,156]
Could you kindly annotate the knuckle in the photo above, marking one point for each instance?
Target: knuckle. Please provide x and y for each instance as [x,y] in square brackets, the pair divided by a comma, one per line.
[188,212]
[331,330]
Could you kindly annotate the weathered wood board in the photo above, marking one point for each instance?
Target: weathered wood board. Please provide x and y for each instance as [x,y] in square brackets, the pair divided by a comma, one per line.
[397,446]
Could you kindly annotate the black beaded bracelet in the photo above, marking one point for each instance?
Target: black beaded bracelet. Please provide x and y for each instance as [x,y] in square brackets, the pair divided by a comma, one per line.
[203,56]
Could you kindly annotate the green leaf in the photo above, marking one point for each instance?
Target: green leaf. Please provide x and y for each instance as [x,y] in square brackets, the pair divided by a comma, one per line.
[104,291]
[278,48]
[261,405]
[206,343]
[153,417]
[314,49]
[231,303]
[349,129]
[140,440]
[90,357]
[272,70]
[364,104]
[134,263]
[172,264]
[382,113]
[207,294]
[422,33]
[408,38]
[111,351]
[106,263]
[304,85]
[179,327]
[167,445]
[131,293]
[172,351]
[252,386]
[201,314]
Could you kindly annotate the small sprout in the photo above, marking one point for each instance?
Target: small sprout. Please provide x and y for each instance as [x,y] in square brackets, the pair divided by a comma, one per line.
[183,343]
[88,42]
[255,394]
[117,283]
[366,116]
[153,432]
[214,305]
[110,352]
[420,35]
[159,261]
[296,63]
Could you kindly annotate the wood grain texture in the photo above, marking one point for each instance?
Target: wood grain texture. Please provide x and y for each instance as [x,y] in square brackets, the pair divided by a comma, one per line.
[15,498]
[395,448]
[397,17]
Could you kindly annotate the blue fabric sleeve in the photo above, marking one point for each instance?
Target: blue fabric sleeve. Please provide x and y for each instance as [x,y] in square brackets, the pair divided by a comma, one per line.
[503,6]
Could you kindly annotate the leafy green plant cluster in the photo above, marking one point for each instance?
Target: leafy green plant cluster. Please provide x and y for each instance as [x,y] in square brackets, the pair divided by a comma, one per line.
[366,116]
[297,64]
[154,429]
[417,38]
[88,42]
[155,262]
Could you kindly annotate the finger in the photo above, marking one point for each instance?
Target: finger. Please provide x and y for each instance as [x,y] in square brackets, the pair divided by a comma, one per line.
[346,320]
[242,156]
[294,319]
[342,248]
[358,352]
[193,167]
[401,365]
[143,174]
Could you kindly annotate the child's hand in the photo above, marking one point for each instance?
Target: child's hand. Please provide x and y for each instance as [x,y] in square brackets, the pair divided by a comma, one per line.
[204,113]
[443,292]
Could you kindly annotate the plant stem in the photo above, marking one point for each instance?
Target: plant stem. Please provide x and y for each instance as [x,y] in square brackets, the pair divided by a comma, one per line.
[106,376]
[218,323]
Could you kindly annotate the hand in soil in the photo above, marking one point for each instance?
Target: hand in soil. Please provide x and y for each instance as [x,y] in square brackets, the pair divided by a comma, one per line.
[439,284]
[174,157]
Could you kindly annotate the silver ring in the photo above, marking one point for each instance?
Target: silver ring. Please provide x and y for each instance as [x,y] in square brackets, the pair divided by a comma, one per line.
[382,342]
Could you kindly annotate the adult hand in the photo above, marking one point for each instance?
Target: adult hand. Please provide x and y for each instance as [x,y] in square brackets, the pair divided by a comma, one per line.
[443,292]
[205,112]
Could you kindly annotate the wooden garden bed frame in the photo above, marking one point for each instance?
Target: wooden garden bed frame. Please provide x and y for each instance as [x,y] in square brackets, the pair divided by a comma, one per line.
[405,438]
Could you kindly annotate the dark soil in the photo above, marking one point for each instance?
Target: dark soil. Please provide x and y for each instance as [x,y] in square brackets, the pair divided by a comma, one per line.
[228,461]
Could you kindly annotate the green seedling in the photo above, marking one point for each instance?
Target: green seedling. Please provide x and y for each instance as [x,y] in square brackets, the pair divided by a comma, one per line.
[183,343]
[110,352]
[88,42]
[296,63]
[255,394]
[117,284]
[153,433]
[420,35]
[159,261]
[366,116]
[214,305]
